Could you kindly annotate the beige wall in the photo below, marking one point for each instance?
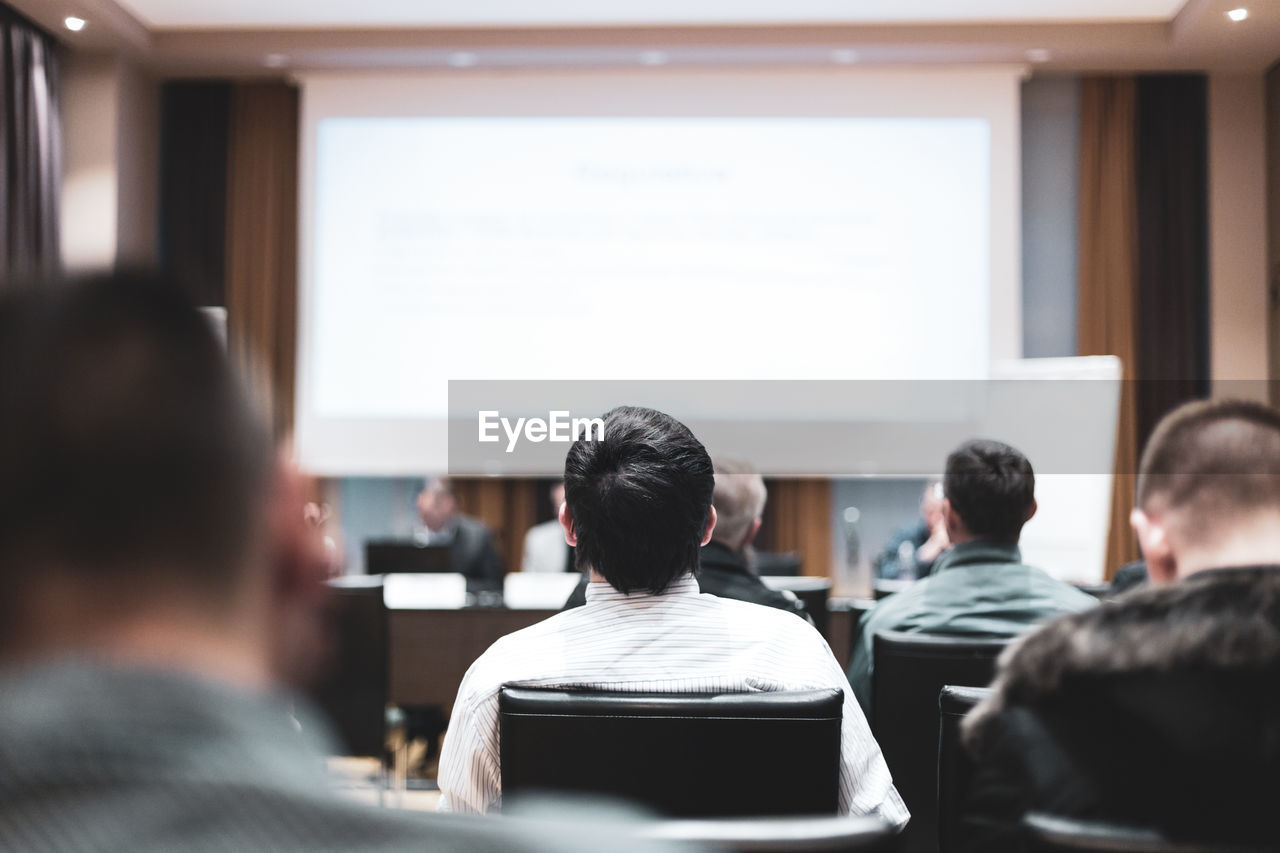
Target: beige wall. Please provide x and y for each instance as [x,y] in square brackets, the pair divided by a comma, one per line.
[89,120]
[110,114]
[137,166]
[1238,310]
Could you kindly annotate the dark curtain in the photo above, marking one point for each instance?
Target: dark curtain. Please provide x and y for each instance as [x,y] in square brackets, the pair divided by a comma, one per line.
[1171,162]
[31,139]
[194,127]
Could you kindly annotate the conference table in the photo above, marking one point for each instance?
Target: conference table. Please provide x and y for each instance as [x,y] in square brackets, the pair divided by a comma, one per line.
[435,632]
[430,649]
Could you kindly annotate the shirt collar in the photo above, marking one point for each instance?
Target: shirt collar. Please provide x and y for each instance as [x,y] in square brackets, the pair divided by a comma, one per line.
[686,584]
[976,552]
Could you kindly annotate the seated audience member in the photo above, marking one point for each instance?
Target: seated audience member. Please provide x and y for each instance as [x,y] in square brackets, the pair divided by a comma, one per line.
[159,584]
[912,548]
[638,508]
[1160,708]
[723,569]
[544,547]
[472,549]
[979,587]
[738,500]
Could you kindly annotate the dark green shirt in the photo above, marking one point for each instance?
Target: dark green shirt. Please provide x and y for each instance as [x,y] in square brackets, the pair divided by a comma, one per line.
[977,589]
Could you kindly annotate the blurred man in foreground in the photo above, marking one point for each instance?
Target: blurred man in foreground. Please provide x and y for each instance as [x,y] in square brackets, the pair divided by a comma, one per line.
[638,509]
[979,587]
[1161,708]
[159,585]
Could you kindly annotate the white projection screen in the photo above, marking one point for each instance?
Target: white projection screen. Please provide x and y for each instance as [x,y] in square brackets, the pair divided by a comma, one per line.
[649,224]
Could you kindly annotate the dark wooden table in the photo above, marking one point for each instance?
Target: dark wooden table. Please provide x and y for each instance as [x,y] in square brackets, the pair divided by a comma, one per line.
[430,650]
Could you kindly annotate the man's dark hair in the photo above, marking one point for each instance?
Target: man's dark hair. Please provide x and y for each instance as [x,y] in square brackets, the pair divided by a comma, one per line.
[1218,458]
[640,499]
[991,487]
[126,444]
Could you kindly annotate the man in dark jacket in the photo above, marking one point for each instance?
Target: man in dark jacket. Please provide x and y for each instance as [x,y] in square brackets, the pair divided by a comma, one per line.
[472,551]
[1161,708]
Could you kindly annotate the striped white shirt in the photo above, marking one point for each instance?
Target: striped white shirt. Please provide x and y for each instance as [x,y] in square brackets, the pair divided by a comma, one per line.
[682,641]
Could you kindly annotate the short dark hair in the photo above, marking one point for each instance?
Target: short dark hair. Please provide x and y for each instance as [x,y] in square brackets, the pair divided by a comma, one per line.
[126,443]
[640,498]
[991,487]
[1218,457]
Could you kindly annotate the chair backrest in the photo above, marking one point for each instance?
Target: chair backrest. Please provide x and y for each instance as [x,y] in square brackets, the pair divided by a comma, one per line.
[778,835]
[1054,834]
[352,691]
[955,767]
[909,672]
[683,755]
[812,592]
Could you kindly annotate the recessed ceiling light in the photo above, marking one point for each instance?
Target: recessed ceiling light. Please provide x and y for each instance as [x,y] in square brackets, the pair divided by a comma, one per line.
[844,56]
[653,57]
[73,23]
[1238,15]
[1039,54]
[275,60]
[463,59]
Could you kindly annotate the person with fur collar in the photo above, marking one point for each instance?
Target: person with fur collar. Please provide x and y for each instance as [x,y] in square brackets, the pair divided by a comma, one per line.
[1160,708]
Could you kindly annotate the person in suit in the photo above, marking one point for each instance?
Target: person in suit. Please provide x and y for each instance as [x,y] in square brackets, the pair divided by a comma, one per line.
[724,562]
[161,591]
[473,552]
[979,587]
[1161,707]
[544,547]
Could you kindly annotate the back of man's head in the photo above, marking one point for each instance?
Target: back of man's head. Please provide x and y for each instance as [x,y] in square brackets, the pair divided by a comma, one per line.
[992,488]
[639,499]
[739,500]
[1210,467]
[129,457]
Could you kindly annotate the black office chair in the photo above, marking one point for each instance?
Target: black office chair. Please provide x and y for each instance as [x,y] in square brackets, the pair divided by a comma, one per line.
[812,592]
[776,563]
[955,767]
[682,755]
[1052,834]
[352,691]
[778,835]
[910,671]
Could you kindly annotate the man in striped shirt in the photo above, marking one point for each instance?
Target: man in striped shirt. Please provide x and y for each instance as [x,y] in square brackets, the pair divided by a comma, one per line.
[638,508]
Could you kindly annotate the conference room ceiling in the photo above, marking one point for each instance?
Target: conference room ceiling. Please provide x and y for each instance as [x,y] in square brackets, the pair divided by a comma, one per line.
[274,37]
[171,14]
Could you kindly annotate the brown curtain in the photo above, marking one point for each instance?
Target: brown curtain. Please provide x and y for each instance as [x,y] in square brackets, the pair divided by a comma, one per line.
[262,241]
[30,150]
[798,518]
[1108,271]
